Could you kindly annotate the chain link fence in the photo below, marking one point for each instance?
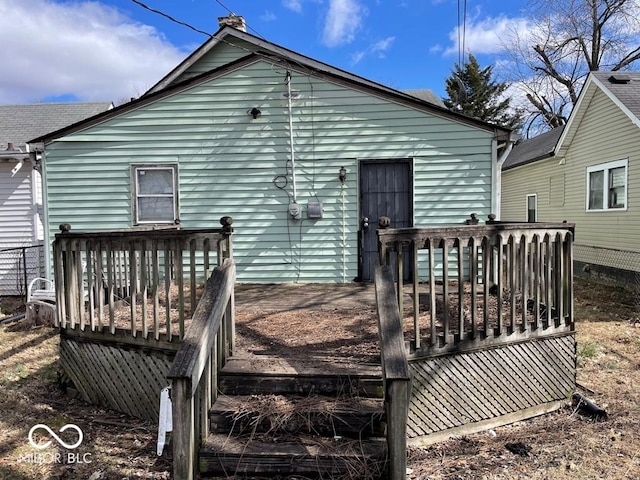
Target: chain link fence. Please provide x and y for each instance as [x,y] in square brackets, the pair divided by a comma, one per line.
[18,266]
[609,257]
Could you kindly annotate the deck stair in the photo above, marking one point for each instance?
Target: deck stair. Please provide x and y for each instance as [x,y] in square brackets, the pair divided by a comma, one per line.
[312,417]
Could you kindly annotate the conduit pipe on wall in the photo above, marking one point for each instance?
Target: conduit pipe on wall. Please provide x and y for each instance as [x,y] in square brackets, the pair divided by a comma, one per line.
[291,146]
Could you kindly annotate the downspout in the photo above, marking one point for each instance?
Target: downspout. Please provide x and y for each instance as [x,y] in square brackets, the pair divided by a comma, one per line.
[497,173]
[46,231]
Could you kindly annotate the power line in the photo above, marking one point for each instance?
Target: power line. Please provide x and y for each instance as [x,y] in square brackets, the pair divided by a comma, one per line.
[225,7]
[179,22]
[462,30]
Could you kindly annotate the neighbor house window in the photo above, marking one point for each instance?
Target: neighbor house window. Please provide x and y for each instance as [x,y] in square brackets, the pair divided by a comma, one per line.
[532,208]
[155,192]
[607,186]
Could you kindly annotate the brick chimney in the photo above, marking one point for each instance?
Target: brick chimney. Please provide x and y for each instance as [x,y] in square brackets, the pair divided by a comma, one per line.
[235,21]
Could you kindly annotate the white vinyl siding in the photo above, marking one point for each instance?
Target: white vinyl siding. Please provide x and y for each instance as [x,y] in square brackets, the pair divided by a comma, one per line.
[18,223]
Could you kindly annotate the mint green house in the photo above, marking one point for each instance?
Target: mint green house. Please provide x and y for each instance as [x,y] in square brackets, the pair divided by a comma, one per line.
[305,158]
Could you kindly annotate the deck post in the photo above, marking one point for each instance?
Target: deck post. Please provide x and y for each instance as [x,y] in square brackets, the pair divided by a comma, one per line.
[398,395]
[395,371]
[184,442]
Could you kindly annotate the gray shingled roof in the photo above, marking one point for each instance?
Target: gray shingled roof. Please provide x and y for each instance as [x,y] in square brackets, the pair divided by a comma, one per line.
[628,93]
[21,123]
[426,95]
[533,149]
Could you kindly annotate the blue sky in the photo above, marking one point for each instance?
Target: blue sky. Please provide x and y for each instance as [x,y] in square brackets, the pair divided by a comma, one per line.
[116,49]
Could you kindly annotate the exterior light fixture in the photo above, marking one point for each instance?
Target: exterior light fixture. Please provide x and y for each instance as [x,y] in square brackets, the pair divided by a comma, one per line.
[254,112]
[343,175]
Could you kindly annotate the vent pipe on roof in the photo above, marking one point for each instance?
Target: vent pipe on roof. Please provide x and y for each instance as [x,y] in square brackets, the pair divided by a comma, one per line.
[235,21]
[620,79]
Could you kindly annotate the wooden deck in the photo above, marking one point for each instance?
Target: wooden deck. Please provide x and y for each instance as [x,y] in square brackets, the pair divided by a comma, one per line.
[494,319]
[296,296]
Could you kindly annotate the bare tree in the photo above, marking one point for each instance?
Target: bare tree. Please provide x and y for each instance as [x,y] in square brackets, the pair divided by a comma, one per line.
[564,42]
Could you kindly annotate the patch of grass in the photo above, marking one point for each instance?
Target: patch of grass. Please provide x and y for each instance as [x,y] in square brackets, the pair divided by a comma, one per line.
[587,349]
[114,446]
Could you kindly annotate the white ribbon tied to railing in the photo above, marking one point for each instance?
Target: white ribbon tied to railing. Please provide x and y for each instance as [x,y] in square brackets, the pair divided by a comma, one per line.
[165,420]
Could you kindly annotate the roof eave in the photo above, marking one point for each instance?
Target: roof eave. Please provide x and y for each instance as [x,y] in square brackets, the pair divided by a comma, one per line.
[142,101]
[539,158]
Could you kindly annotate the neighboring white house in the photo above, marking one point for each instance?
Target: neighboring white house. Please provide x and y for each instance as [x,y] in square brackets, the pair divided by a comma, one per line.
[587,173]
[21,230]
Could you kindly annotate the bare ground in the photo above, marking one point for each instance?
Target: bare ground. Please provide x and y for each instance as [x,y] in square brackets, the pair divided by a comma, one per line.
[562,445]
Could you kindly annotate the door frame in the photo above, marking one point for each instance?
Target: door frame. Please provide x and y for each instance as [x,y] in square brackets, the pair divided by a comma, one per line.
[373,223]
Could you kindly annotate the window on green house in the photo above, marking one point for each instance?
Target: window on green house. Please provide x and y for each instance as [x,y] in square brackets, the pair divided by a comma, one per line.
[607,186]
[155,192]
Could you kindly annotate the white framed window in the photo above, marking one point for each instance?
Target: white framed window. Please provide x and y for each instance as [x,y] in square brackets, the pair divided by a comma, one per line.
[155,193]
[607,186]
[532,208]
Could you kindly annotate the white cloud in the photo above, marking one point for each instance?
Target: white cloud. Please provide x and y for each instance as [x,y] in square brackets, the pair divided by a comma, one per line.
[382,46]
[295,5]
[378,48]
[83,49]
[487,35]
[343,21]
[357,56]
[268,16]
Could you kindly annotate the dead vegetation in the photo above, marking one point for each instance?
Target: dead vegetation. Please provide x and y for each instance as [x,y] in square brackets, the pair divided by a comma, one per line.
[561,445]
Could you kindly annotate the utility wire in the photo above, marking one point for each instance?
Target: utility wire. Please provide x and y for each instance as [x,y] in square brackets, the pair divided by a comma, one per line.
[462,31]
[138,2]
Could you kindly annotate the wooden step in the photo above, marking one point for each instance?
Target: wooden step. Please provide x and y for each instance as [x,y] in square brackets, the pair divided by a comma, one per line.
[356,417]
[309,456]
[262,374]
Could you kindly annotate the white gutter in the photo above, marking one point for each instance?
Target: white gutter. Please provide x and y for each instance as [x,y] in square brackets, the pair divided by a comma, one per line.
[45,221]
[496,184]
[293,156]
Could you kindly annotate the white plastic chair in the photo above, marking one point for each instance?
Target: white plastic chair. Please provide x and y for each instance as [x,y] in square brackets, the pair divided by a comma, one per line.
[41,301]
[41,291]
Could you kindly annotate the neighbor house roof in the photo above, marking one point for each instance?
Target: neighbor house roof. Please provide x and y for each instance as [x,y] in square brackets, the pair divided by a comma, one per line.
[534,149]
[623,88]
[19,123]
[276,54]
[426,95]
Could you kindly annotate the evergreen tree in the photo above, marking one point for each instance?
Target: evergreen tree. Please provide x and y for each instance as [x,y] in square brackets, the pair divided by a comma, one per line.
[473,92]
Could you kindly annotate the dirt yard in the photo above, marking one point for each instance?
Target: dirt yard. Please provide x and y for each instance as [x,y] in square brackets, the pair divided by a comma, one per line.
[562,445]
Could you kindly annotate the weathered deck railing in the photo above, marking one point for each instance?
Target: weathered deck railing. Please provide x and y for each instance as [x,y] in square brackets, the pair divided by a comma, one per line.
[208,342]
[477,284]
[143,281]
[395,371]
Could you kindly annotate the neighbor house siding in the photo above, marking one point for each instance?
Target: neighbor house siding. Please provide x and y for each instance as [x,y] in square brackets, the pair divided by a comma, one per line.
[228,164]
[609,237]
[17,223]
[606,134]
[546,179]
[16,206]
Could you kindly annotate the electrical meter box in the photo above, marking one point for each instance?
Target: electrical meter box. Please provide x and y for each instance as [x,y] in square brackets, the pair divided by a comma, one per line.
[315,210]
[295,211]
